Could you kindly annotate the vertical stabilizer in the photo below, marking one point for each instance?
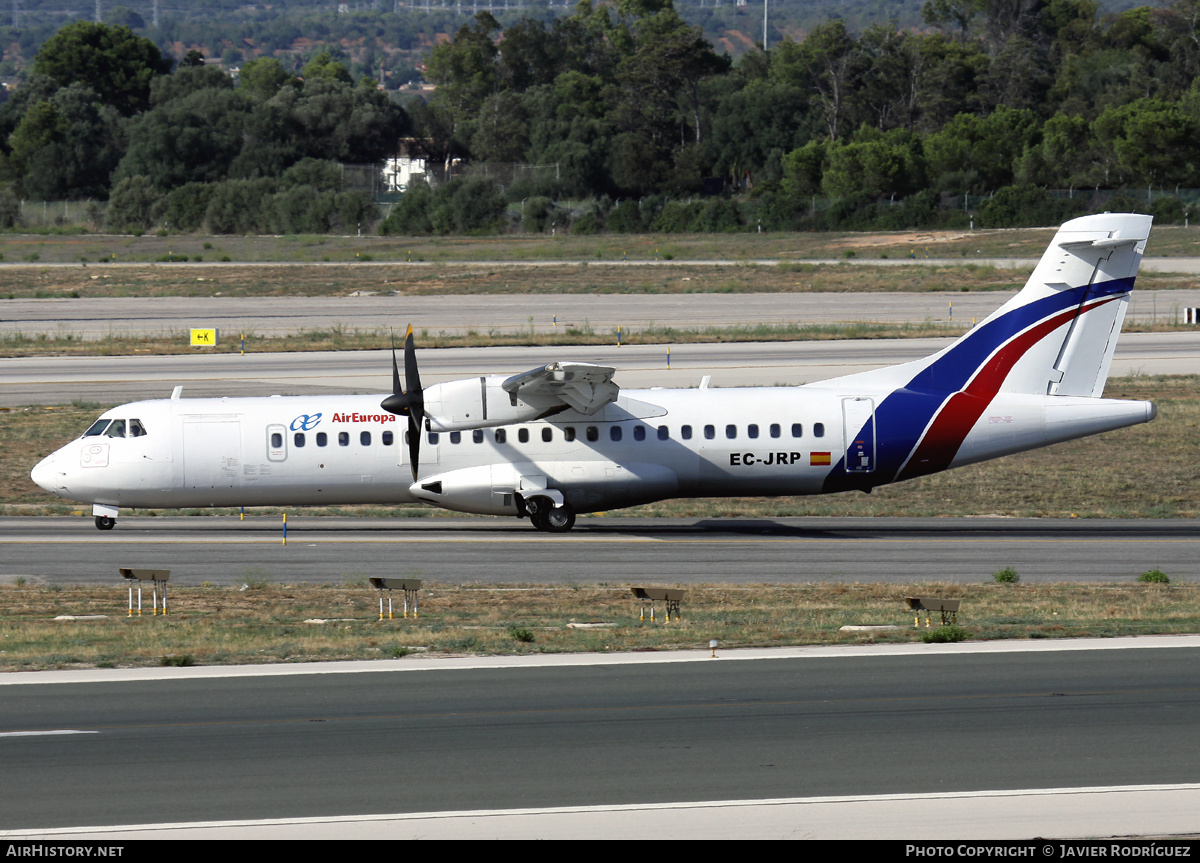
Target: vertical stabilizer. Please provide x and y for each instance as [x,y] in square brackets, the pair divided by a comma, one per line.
[1076,301]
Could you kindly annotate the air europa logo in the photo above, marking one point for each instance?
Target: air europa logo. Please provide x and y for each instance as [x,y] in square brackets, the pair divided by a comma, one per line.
[305,422]
[363,418]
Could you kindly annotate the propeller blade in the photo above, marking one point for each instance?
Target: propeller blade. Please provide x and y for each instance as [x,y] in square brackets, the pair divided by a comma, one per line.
[410,401]
[412,379]
[395,370]
[414,444]
[397,402]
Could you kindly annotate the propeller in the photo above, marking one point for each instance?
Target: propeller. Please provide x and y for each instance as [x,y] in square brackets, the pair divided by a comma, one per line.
[409,401]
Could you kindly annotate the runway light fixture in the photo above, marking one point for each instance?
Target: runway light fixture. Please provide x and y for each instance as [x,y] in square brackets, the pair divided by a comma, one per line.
[156,577]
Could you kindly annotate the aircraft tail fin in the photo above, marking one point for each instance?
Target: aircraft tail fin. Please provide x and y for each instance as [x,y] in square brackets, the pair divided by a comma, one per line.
[1058,334]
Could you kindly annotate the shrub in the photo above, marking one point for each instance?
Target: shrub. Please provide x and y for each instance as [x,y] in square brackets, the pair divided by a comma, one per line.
[130,207]
[1008,575]
[1154,576]
[521,633]
[410,215]
[945,635]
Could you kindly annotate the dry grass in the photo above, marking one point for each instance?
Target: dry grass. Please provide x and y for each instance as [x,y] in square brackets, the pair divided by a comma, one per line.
[268,622]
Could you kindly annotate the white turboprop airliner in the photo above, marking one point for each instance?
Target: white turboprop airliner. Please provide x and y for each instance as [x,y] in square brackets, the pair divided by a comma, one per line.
[564,439]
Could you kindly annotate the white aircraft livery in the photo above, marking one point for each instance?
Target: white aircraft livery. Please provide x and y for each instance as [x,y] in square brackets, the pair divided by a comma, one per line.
[564,439]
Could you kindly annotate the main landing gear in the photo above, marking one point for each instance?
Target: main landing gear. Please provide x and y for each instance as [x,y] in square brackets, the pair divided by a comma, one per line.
[545,516]
[105,522]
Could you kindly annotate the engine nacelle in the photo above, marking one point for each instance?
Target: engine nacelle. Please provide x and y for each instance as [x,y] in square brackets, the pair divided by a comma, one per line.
[488,489]
[588,486]
[480,402]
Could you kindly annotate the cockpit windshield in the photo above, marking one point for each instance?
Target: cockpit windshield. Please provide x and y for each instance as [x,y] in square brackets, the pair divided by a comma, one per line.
[116,428]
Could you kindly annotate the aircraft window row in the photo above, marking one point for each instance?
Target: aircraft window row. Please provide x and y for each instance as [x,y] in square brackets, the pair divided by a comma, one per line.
[116,428]
[299,439]
[616,433]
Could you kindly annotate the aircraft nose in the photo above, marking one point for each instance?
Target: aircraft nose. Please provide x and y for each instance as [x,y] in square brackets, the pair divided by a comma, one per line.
[45,474]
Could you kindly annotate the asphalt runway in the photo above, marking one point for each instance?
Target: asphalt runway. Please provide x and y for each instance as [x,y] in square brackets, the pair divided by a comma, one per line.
[93,318]
[1097,739]
[224,550]
[112,380]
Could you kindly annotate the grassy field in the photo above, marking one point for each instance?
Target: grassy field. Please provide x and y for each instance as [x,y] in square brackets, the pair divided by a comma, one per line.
[301,623]
[243,280]
[1148,470]
[1166,240]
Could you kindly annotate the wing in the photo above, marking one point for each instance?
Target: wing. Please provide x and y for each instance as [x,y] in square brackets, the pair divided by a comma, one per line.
[583,387]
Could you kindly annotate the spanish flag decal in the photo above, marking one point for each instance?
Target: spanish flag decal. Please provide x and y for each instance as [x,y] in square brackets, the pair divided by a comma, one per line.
[817,458]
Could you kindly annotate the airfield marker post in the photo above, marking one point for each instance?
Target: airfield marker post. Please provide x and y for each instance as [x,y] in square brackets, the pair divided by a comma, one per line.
[410,586]
[671,597]
[155,577]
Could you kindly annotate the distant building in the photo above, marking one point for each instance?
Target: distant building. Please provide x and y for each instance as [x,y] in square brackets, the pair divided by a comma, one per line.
[401,171]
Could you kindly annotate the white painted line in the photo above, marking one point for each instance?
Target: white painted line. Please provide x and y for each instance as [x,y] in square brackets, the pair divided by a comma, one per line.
[568,660]
[1088,812]
[43,733]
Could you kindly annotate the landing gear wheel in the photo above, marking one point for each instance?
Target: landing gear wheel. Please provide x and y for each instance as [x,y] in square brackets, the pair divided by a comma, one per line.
[559,519]
[546,516]
[105,522]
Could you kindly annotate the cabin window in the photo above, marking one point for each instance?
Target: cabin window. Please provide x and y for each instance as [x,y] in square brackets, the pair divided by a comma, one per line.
[776,431]
[298,439]
[685,432]
[117,429]
[277,443]
[818,429]
[322,439]
[664,433]
[569,433]
[593,433]
[136,429]
[343,438]
[455,437]
[547,434]
[477,435]
[710,432]
[614,433]
[639,432]
[364,438]
[751,431]
[501,435]
[433,438]
[523,435]
[797,430]
[731,431]
[388,438]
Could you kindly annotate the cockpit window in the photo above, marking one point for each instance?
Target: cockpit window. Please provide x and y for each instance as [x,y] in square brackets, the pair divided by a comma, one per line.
[136,429]
[117,429]
[97,428]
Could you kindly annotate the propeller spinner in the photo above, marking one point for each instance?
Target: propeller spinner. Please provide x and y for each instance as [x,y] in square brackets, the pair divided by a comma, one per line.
[410,401]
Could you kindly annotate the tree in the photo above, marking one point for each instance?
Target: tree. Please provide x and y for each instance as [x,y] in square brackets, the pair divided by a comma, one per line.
[261,78]
[111,60]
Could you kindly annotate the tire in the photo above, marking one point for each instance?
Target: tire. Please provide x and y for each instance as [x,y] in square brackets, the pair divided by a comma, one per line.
[105,522]
[559,519]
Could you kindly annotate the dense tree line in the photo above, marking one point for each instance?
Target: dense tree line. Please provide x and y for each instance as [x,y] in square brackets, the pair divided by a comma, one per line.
[104,112]
[1003,99]
[1003,110]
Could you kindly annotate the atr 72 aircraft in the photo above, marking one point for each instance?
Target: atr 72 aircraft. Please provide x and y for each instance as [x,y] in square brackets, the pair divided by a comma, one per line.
[564,439]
